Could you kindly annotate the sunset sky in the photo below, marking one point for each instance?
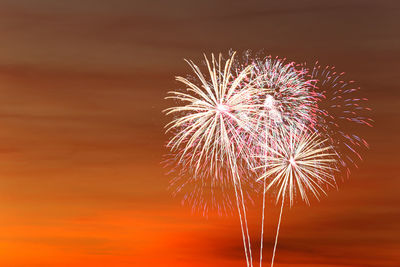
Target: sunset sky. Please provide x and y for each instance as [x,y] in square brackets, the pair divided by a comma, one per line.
[82,87]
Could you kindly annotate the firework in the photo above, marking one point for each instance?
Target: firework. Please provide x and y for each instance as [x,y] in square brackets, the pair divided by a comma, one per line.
[286,91]
[285,99]
[212,126]
[299,163]
[212,118]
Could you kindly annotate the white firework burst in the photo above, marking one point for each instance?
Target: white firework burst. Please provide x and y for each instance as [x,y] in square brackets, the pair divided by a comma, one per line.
[286,92]
[212,122]
[212,126]
[299,162]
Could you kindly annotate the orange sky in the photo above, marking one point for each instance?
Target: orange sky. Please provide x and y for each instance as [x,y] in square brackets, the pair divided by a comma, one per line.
[81,136]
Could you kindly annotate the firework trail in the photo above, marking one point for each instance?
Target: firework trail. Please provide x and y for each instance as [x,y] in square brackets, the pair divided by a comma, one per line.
[211,126]
[342,112]
[301,163]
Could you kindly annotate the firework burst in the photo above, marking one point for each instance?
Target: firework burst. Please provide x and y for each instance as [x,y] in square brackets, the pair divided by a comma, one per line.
[213,117]
[284,99]
[286,93]
[212,127]
[299,163]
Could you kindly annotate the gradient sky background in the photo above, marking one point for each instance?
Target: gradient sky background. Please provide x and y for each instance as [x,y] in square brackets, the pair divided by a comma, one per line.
[81,136]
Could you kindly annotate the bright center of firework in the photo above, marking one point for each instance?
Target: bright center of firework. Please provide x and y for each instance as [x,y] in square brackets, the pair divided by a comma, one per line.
[269,102]
[292,161]
[222,108]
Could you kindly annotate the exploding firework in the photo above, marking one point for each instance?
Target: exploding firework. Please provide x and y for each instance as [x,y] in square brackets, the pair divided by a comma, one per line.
[284,99]
[213,116]
[285,91]
[212,127]
[299,163]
